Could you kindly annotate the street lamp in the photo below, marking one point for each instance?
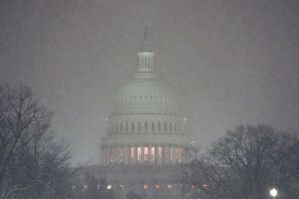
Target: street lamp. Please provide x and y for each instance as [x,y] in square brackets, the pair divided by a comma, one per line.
[273,192]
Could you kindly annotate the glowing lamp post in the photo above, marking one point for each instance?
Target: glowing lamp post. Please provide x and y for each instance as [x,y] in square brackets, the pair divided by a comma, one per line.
[273,193]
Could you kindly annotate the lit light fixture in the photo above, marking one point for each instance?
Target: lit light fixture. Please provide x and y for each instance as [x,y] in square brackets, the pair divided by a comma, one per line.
[205,186]
[85,186]
[273,192]
[169,186]
[109,186]
[145,186]
[157,186]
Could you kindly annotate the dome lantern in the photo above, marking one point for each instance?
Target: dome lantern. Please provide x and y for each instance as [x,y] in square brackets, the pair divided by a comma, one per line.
[146,57]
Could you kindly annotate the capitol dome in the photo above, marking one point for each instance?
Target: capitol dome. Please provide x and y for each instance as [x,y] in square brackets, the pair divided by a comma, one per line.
[145,94]
[145,125]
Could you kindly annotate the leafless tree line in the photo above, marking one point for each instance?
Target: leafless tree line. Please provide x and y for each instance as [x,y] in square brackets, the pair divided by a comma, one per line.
[246,163]
[33,164]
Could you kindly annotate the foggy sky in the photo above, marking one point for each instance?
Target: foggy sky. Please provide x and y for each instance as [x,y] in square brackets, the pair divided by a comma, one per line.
[230,62]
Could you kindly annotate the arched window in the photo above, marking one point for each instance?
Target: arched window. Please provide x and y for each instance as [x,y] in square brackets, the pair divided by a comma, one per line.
[160,152]
[165,126]
[153,126]
[145,126]
[159,126]
[153,153]
[139,153]
[132,152]
[146,153]
[139,126]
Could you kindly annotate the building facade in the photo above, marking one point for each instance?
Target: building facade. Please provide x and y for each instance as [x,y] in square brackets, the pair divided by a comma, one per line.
[145,145]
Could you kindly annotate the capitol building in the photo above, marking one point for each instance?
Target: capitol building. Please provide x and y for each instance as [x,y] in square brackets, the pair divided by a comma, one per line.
[145,146]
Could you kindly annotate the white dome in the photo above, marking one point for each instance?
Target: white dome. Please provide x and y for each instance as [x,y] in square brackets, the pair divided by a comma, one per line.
[145,95]
[146,118]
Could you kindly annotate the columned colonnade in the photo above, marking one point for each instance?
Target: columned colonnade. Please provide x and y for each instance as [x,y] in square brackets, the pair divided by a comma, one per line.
[144,154]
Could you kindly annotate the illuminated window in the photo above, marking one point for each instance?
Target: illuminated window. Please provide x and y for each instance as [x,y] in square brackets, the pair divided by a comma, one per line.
[139,153]
[145,186]
[205,186]
[109,186]
[132,152]
[160,152]
[169,186]
[146,153]
[121,186]
[157,186]
[153,153]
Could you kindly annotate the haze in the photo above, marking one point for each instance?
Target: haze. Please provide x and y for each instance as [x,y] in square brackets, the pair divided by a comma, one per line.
[230,62]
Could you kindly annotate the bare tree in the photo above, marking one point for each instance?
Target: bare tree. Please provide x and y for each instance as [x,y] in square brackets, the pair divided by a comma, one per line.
[246,163]
[32,163]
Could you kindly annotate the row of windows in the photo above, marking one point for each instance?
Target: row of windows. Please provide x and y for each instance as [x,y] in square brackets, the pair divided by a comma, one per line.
[166,99]
[146,126]
[145,96]
[145,154]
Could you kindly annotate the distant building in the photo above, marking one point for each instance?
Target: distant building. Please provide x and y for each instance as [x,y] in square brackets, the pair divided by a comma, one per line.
[145,146]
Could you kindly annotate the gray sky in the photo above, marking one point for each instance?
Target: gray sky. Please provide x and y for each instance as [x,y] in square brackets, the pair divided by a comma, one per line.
[232,62]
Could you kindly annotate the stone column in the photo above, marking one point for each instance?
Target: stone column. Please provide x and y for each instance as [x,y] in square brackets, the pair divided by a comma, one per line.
[164,154]
[183,154]
[129,154]
[174,154]
[135,154]
[142,153]
[170,154]
[150,153]
[125,154]
[156,152]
